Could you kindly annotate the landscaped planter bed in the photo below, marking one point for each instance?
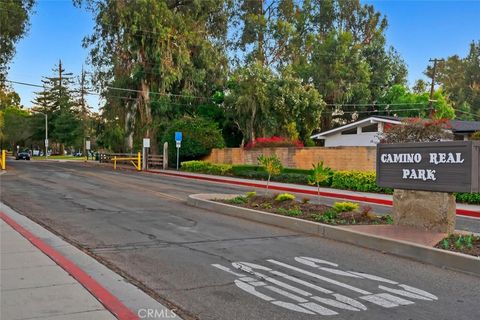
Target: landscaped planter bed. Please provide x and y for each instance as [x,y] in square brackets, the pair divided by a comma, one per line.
[343,180]
[309,211]
[464,243]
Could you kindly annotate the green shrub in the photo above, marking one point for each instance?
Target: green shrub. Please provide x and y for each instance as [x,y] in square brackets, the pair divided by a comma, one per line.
[200,136]
[272,165]
[206,167]
[473,198]
[345,206]
[281,211]
[475,136]
[239,169]
[297,171]
[294,212]
[328,216]
[285,197]
[320,175]
[250,194]
[358,181]
[238,200]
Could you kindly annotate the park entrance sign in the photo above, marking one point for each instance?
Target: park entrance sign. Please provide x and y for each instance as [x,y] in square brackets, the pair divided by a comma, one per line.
[451,166]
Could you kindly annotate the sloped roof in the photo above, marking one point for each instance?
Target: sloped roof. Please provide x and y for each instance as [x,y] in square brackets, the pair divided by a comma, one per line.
[374,119]
[457,126]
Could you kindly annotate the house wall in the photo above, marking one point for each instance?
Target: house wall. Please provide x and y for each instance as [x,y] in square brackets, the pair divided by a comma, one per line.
[360,139]
[338,158]
[363,139]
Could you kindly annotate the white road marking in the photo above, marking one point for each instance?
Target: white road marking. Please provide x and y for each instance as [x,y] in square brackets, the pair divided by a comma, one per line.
[272,280]
[404,293]
[305,302]
[226,269]
[372,277]
[314,275]
[395,299]
[291,306]
[418,291]
[335,303]
[319,309]
[300,281]
[317,261]
[350,301]
[286,294]
[375,299]
[251,289]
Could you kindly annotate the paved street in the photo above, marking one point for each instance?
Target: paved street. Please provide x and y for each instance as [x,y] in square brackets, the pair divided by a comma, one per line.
[212,266]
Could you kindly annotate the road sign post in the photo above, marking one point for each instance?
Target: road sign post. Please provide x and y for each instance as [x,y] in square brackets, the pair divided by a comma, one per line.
[146,146]
[178,141]
[87,147]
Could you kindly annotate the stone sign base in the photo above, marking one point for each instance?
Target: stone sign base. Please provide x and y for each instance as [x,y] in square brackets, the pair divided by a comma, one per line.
[428,210]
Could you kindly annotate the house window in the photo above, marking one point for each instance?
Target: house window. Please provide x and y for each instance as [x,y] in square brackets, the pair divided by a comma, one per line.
[350,131]
[370,128]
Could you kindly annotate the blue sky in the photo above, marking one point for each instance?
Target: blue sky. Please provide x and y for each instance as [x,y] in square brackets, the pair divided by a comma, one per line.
[419,30]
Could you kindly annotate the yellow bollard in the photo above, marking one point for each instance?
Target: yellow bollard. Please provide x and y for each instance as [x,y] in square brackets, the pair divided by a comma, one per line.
[115,163]
[3,161]
[139,167]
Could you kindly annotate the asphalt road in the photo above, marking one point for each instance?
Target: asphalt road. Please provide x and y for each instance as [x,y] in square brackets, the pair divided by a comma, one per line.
[211,266]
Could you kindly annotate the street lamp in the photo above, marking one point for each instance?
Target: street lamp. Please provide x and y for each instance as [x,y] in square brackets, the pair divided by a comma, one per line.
[46,132]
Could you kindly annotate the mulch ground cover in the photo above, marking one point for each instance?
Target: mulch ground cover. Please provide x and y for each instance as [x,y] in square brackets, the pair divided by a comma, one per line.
[308,211]
[463,243]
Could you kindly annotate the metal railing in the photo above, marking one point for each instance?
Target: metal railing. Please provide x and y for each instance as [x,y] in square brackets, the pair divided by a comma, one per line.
[123,158]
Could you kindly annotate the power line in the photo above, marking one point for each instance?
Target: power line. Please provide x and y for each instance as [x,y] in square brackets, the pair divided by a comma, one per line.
[117,88]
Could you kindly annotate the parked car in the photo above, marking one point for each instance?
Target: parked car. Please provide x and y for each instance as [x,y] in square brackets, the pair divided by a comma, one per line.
[24,155]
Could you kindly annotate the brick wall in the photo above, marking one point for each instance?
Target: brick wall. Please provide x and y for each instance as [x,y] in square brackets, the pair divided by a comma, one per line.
[337,158]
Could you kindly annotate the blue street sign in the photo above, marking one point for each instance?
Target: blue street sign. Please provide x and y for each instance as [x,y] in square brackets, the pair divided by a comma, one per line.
[178,136]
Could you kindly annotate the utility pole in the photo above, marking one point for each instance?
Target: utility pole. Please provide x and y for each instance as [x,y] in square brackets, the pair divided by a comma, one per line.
[60,75]
[432,86]
[83,111]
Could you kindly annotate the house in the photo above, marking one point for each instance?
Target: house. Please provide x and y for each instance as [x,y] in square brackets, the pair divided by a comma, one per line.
[365,132]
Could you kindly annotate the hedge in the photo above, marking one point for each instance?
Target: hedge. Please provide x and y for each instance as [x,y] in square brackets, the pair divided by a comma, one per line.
[206,167]
[357,181]
[346,180]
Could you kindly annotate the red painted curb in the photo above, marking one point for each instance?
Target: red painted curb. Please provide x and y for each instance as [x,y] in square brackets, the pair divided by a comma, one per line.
[461,212]
[111,303]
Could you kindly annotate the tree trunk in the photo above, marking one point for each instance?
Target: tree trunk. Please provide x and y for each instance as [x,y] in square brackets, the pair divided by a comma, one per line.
[148,121]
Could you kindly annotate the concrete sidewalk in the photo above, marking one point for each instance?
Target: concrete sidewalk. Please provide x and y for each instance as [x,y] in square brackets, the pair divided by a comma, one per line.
[45,277]
[34,287]
[384,199]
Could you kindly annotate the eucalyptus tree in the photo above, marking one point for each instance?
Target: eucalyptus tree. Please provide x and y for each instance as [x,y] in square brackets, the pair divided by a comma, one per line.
[14,23]
[171,51]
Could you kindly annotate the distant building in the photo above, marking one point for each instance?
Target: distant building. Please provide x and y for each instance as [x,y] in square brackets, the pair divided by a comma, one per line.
[365,132]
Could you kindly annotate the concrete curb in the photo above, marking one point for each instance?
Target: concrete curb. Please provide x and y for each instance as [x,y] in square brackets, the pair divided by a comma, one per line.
[120,287]
[437,257]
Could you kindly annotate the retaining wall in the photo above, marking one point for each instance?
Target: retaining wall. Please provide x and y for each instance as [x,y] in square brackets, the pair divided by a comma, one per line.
[337,158]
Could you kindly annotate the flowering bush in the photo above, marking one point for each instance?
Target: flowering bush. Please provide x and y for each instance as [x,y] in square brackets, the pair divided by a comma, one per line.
[416,130]
[274,141]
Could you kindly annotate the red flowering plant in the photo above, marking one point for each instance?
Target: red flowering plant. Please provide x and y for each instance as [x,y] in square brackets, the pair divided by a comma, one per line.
[272,142]
[417,130]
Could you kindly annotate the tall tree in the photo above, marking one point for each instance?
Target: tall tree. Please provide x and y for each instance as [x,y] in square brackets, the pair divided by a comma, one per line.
[460,79]
[171,49]
[14,22]
[57,101]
